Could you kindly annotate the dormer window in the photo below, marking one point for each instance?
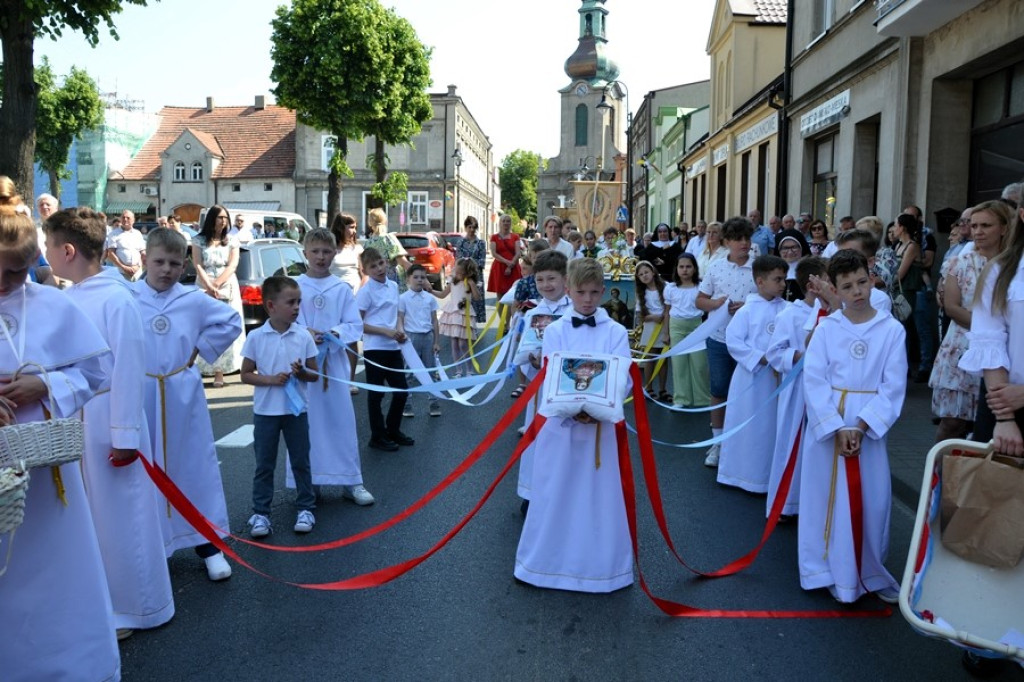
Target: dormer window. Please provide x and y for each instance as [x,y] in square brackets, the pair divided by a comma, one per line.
[197,172]
[179,171]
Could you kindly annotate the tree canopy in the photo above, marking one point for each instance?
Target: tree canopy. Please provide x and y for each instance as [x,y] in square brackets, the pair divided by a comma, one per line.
[65,111]
[21,22]
[518,179]
[352,68]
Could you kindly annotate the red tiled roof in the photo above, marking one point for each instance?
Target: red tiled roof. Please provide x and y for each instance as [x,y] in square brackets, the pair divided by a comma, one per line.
[207,140]
[254,143]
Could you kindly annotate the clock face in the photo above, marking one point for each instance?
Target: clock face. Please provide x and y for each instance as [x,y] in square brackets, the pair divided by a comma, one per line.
[582,89]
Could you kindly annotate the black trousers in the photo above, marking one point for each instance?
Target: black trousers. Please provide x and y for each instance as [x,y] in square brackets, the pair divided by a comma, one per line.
[385,376]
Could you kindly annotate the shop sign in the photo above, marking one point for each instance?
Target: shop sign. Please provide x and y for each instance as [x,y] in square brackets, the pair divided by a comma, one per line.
[826,114]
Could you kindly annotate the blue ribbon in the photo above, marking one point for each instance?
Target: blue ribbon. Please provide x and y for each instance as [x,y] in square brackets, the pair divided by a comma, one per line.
[296,401]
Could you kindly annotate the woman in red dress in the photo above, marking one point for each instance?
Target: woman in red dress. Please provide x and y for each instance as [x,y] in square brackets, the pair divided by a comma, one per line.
[505,252]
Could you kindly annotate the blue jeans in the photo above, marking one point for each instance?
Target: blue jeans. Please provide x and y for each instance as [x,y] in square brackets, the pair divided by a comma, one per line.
[267,430]
[925,321]
[721,365]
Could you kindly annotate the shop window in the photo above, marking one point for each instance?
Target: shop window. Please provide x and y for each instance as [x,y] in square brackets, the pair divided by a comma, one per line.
[989,99]
[824,178]
[744,182]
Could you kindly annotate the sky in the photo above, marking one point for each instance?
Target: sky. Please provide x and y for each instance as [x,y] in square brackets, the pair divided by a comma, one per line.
[507,58]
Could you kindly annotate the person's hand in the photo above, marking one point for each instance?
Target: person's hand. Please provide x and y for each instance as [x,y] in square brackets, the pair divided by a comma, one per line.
[534,361]
[400,336]
[1006,398]
[717,303]
[318,336]
[25,389]
[6,417]
[849,442]
[1006,439]
[279,379]
[734,306]
[508,269]
[298,369]
[584,418]
[437,349]
[824,290]
[122,456]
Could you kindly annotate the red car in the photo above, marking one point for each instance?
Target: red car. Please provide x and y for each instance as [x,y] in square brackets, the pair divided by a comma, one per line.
[430,250]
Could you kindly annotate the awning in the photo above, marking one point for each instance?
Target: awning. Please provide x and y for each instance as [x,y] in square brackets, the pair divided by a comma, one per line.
[252,205]
[115,207]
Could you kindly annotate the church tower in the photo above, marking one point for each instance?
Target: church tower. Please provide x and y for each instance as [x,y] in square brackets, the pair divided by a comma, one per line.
[591,137]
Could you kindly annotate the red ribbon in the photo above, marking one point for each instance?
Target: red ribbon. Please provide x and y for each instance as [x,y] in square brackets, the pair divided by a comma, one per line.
[379,577]
[677,609]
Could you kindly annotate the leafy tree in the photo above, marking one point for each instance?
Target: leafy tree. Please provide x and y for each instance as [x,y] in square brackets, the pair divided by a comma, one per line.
[64,113]
[352,68]
[518,179]
[21,22]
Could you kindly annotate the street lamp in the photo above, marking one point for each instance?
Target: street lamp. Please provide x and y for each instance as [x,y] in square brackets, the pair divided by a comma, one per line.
[457,158]
[604,106]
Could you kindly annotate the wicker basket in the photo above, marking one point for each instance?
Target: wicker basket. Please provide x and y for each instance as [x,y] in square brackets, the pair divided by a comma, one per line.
[39,444]
[13,489]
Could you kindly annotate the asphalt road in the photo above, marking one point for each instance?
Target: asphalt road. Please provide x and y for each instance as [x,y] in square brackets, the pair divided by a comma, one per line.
[461,616]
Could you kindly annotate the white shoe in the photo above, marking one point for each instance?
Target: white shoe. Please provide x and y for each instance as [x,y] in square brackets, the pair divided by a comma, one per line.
[358,494]
[407,411]
[712,459]
[260,526]
[217,567]
[305,521]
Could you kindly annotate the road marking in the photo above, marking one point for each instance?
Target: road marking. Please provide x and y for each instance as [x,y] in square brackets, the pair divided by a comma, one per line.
[242,437]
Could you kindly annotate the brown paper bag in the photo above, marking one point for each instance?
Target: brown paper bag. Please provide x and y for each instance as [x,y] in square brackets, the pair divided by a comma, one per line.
[983,509]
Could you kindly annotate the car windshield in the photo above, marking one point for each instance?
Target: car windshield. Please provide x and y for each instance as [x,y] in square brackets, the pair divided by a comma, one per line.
[413,242]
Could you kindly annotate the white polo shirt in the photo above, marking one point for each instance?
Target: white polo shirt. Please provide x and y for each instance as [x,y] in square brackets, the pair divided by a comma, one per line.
[274,352]
[379,303]
[420,310]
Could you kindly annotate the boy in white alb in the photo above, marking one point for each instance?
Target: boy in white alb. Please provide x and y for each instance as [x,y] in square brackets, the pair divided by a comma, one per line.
[549,275]
[728,281]
[180,324]
[377,301]
[278,358]
[417,319]
[785,348]
[329,308]
[576,536]
[746,457]
[122,499]
[855,380]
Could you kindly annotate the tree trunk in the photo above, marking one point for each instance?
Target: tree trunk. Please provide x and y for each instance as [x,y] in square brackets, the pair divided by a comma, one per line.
[18,110]
[334,183]
[54,184]
[380,170]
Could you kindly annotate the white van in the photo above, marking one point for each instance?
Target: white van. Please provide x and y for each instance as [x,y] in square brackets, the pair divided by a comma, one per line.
[274,223]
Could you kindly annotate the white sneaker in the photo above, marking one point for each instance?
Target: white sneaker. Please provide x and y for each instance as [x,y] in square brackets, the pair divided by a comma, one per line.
[712,459]
[358,494]
[217,567]
[407,411]
[260,526]
[305,521]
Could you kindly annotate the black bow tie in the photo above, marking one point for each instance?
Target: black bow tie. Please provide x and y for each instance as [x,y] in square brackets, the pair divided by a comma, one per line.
[580,321]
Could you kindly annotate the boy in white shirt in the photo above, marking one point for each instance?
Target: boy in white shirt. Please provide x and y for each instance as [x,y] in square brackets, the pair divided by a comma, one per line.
[123,501]
[377,301]
[746,457]
[182,323]
[275,354]
[328,308]
[417,318]
[728,281]
[549,275]
[855,380]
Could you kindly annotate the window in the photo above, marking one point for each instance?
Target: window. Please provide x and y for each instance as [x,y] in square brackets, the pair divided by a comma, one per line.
[762,178]
[822,16]
[179,171]
[287,260]
[197,171]
[744,182]
[327,146]
[720,193]
[235,187]
[268,186]
[581,125]
[824,178]
[122,189]
[418,208]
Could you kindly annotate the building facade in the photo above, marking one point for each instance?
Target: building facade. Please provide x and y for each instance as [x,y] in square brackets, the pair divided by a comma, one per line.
[444,187]
[733,170]
[904,102]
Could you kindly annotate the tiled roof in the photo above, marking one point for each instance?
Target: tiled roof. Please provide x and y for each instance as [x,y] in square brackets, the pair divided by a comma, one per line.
[770,11]
[254,143]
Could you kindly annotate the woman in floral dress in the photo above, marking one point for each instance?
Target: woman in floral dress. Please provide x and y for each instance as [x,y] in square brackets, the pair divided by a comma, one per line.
[215,255]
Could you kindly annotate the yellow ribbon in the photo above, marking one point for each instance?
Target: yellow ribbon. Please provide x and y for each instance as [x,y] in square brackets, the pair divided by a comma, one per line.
[58,479]
[161,384]
[843,392]
[647,351]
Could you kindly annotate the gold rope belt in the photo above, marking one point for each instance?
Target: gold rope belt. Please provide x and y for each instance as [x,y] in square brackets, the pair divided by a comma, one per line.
[843,392]
[162,385]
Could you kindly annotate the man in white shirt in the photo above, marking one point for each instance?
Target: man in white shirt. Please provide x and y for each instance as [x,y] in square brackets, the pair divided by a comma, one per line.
[125,248]
[696,244]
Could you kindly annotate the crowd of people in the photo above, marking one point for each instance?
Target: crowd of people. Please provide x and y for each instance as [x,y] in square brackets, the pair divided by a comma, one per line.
[803,341]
